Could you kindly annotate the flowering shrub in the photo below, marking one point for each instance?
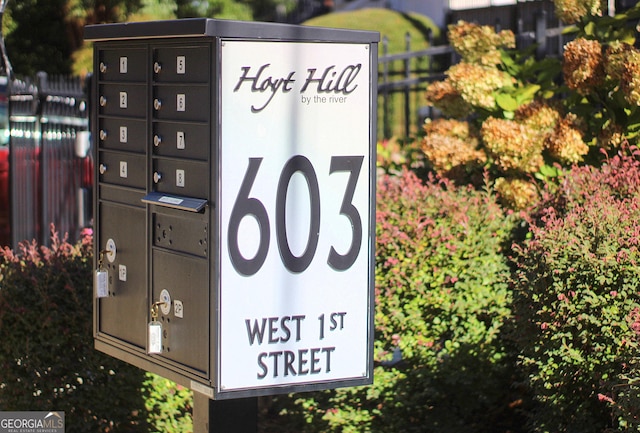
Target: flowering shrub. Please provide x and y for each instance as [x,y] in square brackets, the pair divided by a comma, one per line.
[601,68]
[576,301]
[497,98]
[572,11]
[506,94]
[441,302]
[47,359]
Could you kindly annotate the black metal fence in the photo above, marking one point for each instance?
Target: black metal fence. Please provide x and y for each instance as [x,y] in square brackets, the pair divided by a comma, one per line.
[50,163]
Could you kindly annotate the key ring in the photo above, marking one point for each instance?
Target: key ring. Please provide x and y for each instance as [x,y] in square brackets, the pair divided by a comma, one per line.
[101,258]
[154,310]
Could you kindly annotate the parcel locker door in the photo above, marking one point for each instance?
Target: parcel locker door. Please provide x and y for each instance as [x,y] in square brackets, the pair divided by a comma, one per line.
[124,313]
[185,322]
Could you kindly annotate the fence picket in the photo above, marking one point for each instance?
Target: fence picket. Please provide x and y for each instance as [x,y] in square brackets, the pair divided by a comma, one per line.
[46,177]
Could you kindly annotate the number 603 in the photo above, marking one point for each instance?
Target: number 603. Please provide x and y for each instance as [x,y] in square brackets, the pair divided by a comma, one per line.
[250,206]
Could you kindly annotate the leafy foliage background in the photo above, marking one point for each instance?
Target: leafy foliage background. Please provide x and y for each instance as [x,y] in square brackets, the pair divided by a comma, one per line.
[47,359]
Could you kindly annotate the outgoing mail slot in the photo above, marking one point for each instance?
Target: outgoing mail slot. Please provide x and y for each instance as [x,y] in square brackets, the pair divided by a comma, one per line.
[181,103]
[180,177]
[122,134]
[124,312]
[121,168]
[122,64]
[185,140]
[185,330]
[122,100]
[181,64]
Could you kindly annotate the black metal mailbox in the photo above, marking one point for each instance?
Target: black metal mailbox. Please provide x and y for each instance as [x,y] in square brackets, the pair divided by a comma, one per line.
[235,203]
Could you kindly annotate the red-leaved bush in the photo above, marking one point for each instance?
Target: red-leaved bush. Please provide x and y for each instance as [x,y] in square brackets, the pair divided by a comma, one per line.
[576,300]
[442,299]
[47,358]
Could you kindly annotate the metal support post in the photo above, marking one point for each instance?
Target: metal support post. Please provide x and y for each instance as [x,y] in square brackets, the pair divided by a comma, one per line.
[224,416]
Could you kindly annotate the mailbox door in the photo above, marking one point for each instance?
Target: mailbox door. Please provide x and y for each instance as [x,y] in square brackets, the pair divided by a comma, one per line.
[184,63]
[181,102]
[122,168]
[182,140]
[182,177]
[122,64]
[186,324]
[123,314]
[122,99]
[122,134]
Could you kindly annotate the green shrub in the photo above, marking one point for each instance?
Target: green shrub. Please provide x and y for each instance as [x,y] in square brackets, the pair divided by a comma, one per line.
[441,301]
[47,359]
[576,294]
[169,406]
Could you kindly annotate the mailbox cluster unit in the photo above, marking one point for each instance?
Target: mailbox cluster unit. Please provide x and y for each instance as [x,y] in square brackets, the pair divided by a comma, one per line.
[155,127]
[147,143]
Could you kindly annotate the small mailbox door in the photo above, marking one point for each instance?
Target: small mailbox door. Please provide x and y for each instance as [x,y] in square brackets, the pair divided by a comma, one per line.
[121,100]
[122,134]
[181,177]
[120,168]
[128,64]
[181,64]
[183,140]
[183,102]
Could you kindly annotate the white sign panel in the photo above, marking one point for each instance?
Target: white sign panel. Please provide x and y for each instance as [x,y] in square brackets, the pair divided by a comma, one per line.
[295,197]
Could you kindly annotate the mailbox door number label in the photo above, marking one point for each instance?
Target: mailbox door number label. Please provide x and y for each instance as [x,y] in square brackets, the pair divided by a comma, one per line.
[180,102]
[123,169]
[123,65]
[181,65]
[123,100]
[123,134]
[296,206]
[180,178]
[180,144]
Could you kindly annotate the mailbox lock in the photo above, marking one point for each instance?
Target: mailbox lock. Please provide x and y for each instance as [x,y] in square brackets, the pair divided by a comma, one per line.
[103,67]
[157,177]
[103,168]
[111,250]
[103,101]
[157,140]
[157,104]
[165,302]
[103,134]
[157,67]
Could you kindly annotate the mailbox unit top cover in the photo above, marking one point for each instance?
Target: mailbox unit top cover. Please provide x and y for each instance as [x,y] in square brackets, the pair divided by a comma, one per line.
[209,27]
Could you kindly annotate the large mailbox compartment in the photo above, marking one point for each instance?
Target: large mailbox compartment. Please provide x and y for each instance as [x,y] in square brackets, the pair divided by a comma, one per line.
[157,128]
